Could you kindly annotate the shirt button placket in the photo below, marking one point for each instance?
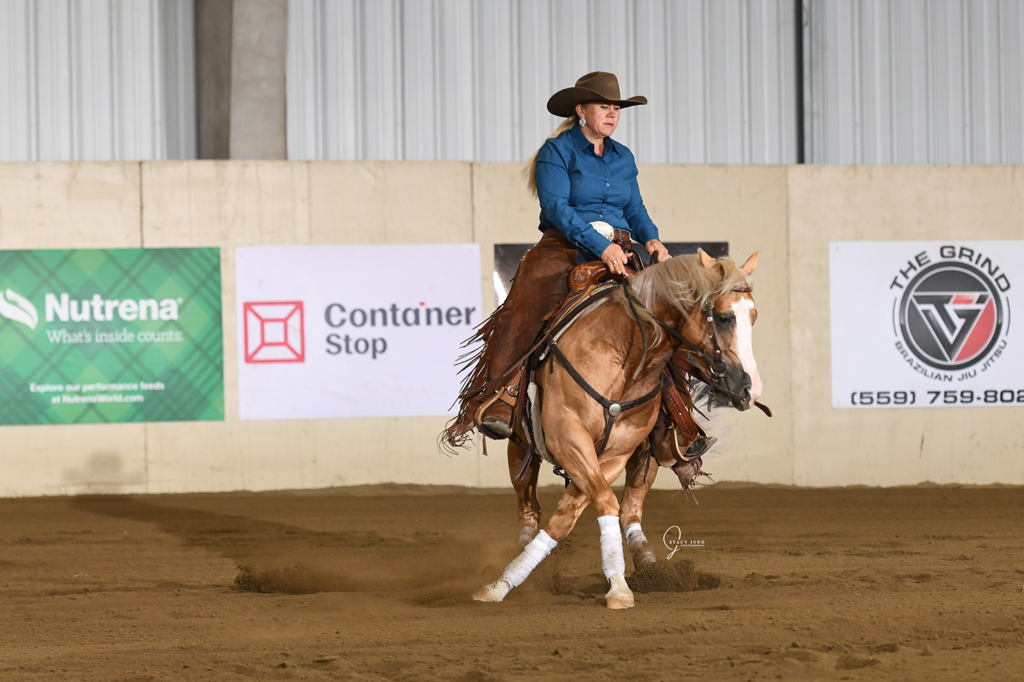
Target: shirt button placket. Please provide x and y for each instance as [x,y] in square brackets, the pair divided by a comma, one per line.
[604,167]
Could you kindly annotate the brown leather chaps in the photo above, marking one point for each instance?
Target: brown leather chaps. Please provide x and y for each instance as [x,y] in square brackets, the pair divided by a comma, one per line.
[540,282]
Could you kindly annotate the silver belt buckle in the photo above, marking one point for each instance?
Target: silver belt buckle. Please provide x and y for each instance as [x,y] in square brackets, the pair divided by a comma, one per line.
[604,229]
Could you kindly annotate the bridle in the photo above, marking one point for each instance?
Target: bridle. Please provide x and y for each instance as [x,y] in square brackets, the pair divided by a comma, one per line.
[613,408]
[716,368]
[713,370]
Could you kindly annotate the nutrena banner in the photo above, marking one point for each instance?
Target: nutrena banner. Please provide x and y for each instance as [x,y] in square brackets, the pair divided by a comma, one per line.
[353,331]
[110,335]
[926,324]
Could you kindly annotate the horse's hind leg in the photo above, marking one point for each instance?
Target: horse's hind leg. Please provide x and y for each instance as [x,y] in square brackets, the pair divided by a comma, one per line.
[526,492]
[641,470]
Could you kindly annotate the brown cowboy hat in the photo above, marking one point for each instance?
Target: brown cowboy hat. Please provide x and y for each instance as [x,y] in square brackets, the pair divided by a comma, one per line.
[598,86]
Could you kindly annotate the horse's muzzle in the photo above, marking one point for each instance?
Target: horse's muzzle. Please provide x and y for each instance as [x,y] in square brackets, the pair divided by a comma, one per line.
[737,381]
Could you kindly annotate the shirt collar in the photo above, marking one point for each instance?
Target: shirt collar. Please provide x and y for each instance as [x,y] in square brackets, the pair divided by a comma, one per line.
[581,142]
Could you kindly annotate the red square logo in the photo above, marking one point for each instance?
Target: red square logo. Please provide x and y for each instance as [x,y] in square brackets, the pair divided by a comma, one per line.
[274,332]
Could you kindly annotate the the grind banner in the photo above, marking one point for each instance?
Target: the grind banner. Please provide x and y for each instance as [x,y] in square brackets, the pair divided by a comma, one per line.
[115,335]
[926,324]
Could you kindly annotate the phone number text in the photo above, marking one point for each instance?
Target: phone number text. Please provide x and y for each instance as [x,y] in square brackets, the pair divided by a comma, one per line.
[963,397]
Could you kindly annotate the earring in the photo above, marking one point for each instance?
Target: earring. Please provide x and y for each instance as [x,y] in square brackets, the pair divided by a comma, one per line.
[583,122]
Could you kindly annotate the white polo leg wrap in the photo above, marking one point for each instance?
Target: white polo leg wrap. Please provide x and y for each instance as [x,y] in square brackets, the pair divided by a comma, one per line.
[534,553]
[635,537]
[612,560]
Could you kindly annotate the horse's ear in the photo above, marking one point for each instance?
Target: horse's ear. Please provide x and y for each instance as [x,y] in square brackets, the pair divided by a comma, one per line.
[751,264]
[706,260]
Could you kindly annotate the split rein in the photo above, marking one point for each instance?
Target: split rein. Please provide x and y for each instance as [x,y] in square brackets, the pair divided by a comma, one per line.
[612,409]
[715,365]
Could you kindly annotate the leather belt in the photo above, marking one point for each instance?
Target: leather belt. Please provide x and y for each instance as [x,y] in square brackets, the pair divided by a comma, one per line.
[622,237]
[612,234]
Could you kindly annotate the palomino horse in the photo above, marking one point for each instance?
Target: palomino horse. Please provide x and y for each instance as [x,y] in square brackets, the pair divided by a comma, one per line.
[610,354]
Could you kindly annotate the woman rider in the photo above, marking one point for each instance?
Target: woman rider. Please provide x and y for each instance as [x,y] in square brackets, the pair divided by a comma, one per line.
[589,198]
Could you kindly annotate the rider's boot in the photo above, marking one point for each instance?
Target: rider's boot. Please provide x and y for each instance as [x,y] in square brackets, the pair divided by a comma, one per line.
[677,439]
[700,446]
[685,436]
[494,416]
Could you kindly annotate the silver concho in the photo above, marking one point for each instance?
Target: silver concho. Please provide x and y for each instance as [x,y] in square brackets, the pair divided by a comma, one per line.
[615,409]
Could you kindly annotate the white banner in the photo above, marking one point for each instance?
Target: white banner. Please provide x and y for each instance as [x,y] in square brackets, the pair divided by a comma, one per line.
[353,331]
[926,324]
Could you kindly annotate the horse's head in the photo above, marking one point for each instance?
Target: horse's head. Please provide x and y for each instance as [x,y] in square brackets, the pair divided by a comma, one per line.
[723,327]
[709,303]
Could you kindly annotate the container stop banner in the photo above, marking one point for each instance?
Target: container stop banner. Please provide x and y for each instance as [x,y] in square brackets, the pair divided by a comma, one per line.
[115,335]
[353,330]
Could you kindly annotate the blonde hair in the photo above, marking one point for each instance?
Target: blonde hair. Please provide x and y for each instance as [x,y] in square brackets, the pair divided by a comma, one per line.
[530,170]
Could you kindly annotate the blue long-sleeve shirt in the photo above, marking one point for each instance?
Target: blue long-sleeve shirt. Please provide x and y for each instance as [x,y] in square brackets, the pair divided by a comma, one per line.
[576,187]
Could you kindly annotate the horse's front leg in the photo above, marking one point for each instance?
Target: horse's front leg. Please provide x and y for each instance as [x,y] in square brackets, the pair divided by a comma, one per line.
[595,486]
[591,482]
[526,492]
[641,470]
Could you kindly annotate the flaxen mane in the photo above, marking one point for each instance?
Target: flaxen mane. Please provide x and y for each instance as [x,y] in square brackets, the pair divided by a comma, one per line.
[683,283]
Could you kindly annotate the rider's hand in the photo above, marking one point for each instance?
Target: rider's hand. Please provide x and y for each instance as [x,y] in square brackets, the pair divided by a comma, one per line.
[655,245]
[615,258]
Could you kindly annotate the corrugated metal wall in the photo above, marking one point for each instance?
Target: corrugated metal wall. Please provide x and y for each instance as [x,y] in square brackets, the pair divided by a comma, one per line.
[915,81]
[885,81]
[469,79]
[97,80]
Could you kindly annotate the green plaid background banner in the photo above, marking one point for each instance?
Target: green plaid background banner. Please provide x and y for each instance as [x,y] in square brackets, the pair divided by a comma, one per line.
[110,335]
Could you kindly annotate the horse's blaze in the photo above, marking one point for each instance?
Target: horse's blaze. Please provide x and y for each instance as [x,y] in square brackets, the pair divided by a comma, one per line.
[743,310]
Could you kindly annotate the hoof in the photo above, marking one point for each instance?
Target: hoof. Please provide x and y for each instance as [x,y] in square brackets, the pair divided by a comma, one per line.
[527,534]
[643,558]
[496,591]
[620,596]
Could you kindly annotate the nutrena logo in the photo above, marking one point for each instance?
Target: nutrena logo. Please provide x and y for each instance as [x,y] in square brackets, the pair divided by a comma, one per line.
[18,309]
[103,309]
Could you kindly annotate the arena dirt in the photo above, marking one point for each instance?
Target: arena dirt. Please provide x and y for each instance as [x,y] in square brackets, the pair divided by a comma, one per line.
[917,583]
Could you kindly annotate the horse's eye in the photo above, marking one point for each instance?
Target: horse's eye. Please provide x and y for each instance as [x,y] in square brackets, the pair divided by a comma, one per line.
[725,319]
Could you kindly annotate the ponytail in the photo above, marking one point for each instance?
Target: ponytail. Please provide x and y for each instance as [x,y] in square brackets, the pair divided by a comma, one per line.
[530,170]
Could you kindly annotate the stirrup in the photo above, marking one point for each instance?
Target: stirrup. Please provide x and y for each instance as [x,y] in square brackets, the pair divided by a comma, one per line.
[485,424]
[495,427]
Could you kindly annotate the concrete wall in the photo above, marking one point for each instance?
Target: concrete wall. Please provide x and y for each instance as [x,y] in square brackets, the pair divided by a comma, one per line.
[788,213]
[891,447]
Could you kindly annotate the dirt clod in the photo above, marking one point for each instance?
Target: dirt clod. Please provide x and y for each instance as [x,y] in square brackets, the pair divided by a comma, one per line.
[292,580]
[670,576]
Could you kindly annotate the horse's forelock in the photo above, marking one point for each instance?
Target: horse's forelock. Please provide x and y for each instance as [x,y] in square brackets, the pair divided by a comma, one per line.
[732,277]
[684,283]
